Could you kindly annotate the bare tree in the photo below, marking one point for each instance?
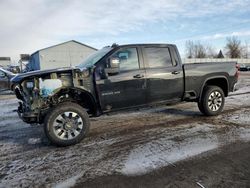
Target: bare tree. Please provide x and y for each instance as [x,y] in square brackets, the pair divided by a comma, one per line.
[210,51]
[189,49]
[198,50]
[233,47]
[245,50]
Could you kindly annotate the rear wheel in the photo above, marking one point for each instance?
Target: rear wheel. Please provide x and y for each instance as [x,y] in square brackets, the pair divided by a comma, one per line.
[212,101]
[66,124]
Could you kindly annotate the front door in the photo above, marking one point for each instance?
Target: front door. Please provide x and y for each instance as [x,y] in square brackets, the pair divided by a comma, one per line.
[127,86]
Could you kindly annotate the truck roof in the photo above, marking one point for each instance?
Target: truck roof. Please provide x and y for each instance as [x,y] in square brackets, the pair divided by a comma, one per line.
[143,44]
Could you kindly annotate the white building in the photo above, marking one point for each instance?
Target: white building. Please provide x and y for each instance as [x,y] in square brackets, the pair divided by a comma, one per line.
[5,61]
[66,54]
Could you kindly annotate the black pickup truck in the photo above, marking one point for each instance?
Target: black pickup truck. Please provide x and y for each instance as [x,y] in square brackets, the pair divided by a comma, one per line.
[114,78]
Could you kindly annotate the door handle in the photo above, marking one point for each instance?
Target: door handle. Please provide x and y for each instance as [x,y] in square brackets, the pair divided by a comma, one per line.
[138,76]
[176,72]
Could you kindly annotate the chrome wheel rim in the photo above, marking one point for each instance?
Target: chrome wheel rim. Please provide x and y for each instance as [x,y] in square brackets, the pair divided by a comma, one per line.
[67,125]
[215,101]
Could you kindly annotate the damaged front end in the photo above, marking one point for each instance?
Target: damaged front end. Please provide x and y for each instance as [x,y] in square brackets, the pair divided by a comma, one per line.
[38,91]
[29,105]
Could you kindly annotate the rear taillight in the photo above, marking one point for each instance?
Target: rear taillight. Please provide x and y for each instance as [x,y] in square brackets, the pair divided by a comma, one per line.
[237,74]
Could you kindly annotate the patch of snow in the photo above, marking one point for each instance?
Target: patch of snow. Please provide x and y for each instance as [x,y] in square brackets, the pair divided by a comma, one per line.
[245,134]
[241,90]
[68,182]
[238,100]
[240,117]
[142,160]
[164,151]
[167,151]
[33,141]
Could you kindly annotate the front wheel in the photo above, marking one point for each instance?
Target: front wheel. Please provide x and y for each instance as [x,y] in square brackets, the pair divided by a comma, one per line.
[66,124]
[212,101]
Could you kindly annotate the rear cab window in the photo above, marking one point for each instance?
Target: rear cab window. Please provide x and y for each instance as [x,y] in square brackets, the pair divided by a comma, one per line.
[158,57]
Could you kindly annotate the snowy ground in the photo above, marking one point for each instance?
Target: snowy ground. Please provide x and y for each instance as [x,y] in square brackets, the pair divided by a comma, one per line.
[129,144]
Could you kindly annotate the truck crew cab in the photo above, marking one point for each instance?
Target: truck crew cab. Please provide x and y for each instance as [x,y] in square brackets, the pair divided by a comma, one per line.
[114,78]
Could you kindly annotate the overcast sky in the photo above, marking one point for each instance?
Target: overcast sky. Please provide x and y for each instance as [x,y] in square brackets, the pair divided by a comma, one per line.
[29,25]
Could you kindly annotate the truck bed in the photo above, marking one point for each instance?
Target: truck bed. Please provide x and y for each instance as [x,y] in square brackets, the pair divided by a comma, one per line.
[196,75]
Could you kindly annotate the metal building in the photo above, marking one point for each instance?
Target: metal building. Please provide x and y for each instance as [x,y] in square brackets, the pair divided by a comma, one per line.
[5,61]
[66,54]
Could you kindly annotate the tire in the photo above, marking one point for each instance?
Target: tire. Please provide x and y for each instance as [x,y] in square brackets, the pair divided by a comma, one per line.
[212,101]
[66,124]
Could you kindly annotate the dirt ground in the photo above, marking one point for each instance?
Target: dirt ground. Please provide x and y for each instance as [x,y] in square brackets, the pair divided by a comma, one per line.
[166,146]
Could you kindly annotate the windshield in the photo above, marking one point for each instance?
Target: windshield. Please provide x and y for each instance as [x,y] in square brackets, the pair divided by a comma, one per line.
[93,58]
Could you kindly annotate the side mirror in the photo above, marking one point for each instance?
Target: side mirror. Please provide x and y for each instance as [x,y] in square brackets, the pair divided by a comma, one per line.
[114,63]
[113,66]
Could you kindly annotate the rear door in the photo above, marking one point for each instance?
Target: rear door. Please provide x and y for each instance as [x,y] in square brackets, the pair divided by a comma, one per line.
[164,75]
[127,87]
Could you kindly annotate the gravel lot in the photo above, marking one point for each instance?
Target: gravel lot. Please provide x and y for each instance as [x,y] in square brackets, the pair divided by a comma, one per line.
[167,146]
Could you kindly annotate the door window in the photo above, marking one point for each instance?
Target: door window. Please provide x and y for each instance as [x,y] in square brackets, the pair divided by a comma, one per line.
[127,58]
[158,57]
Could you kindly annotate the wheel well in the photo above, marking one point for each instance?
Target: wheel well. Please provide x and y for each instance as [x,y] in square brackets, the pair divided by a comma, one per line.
[220,82]
[83,98]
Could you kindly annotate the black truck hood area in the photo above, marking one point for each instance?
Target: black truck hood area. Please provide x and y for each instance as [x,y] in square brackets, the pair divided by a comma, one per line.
[20,77]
